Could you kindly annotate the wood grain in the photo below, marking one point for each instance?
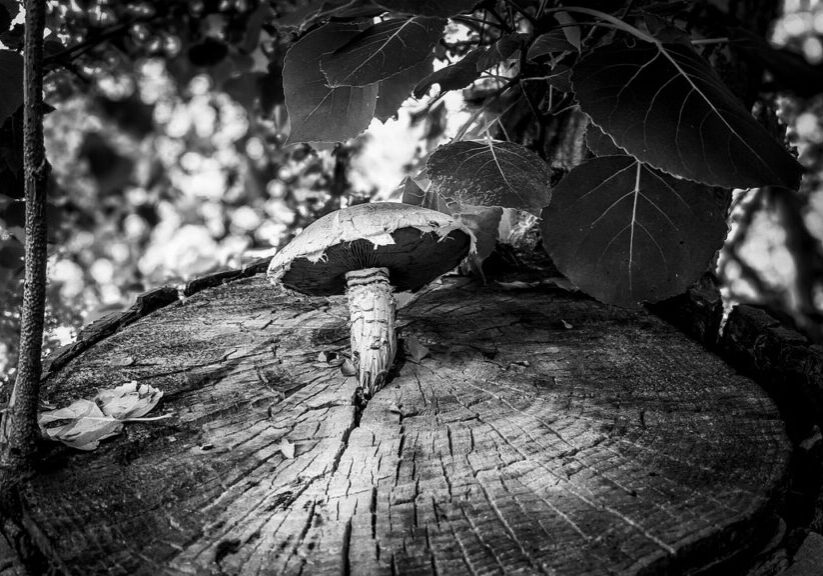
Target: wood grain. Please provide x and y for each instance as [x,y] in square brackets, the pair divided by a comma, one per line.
[518,446]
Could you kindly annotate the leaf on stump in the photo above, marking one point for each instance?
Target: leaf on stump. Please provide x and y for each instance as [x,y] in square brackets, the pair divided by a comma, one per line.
[626,233]
[318,113]
[86,422]
[381,51]
[667,107]
[130,400]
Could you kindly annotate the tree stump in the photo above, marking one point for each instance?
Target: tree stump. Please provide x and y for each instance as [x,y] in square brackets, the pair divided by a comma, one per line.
[544,433]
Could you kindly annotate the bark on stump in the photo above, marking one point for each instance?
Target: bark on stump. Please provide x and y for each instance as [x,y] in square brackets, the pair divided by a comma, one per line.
[608,444]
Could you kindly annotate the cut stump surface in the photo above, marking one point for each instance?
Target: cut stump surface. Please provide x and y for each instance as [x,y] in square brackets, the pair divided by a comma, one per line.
[544,433]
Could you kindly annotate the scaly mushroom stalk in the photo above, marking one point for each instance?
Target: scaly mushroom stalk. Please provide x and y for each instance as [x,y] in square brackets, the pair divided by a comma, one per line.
[371,312]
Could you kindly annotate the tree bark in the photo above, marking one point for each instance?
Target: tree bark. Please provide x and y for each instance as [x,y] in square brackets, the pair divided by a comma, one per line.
[543,433]
[19,433]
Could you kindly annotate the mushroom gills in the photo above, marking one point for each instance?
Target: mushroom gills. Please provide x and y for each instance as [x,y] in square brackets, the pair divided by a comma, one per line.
[371,309]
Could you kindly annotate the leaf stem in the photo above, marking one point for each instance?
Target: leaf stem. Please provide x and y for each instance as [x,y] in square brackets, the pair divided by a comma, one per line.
[721,40]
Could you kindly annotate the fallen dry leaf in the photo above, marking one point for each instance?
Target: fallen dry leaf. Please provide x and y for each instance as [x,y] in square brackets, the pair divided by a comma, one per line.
[128,400]
[287,448]
[86,422]
[86,425]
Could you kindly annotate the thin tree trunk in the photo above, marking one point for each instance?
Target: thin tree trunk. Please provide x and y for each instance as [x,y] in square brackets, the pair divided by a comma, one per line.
[19,428]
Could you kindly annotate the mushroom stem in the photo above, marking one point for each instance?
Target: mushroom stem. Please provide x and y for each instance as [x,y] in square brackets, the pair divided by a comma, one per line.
[371,312]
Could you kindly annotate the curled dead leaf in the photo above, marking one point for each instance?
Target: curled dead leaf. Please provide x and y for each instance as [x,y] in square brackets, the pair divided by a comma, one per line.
[84,423]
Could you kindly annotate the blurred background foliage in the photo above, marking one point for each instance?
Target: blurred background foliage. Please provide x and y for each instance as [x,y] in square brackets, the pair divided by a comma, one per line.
[166,146]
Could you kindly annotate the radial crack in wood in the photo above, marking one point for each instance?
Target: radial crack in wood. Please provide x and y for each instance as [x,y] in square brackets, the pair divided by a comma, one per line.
[517,446]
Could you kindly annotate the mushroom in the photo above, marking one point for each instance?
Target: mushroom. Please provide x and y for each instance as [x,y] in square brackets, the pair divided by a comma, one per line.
[366,251]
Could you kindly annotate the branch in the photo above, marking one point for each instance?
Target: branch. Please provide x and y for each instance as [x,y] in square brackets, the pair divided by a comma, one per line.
[18,432]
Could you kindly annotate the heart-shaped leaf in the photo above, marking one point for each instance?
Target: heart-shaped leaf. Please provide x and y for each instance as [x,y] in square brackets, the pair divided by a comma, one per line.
[11,71]
[439,8]
[667,107]
[626,233]
[395,90]
[381,51]
[318,113]
[489,173]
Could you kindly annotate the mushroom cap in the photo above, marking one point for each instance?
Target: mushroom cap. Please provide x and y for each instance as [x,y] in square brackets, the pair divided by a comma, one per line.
[416,245]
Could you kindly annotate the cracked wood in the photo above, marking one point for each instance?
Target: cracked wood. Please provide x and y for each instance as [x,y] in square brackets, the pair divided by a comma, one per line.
[518,445]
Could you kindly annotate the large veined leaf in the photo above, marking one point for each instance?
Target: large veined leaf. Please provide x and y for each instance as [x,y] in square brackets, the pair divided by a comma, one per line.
[440,8]
[627,233]
[318,113]
[395,90]
[381,51]
[667,107]
[11,93]
[490,173]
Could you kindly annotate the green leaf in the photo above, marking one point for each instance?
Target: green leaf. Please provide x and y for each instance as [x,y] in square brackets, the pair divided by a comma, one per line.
[319,113]
[501,50]
[452,77]
[395,90]
[381,51]
[11,93]
[439,8]
[626,233]
[667,107]
[600,143]
[489,173]
[570,28]
[547,44]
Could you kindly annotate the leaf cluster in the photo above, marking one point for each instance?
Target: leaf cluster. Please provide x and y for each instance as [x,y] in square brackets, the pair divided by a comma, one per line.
[643,217]
[637,220]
